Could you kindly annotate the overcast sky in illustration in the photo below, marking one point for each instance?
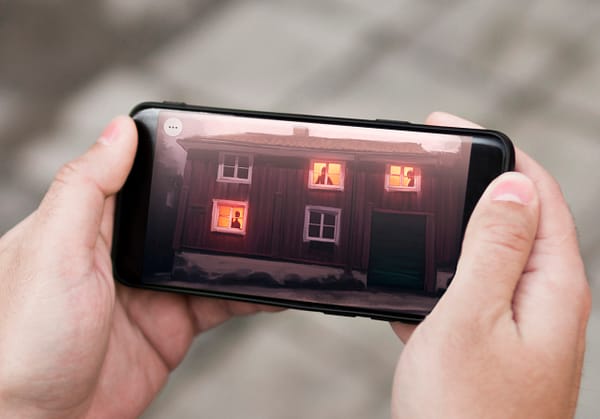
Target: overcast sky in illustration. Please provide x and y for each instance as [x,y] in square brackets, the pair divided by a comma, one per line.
[207,124]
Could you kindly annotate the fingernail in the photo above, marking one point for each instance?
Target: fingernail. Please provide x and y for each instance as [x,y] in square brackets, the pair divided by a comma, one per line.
[110,133]
[513,188]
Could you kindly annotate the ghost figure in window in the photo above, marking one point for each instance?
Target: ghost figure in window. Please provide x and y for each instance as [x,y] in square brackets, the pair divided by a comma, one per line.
[323,179]
[410,178]
[235,223]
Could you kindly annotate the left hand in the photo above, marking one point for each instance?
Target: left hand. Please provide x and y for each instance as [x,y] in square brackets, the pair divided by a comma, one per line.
[72,342]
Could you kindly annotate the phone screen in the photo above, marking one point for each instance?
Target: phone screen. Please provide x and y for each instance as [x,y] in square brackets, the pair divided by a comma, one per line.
[286,210]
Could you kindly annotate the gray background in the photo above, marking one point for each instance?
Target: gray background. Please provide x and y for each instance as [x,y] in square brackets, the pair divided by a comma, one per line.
[530,69]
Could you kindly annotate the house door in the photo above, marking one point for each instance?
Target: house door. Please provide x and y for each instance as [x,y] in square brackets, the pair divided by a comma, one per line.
[397,250]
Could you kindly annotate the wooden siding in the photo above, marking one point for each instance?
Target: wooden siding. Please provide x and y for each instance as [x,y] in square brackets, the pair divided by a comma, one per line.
[278,195]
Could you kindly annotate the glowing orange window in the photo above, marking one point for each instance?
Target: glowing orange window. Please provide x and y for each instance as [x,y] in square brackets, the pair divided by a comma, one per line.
[326,175]
[229,216]
[402,177]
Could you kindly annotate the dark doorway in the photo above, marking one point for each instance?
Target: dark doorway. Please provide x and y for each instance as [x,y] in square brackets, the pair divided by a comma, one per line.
[397,250]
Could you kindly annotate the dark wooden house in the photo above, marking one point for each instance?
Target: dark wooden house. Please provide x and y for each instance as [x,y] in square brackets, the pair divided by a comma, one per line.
[390,210]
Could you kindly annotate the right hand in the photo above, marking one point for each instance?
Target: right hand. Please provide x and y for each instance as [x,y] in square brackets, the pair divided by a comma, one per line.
[507,339]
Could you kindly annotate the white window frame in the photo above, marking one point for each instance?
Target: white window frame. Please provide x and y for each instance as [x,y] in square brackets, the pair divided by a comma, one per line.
[339,187]
[222,178]
[417,175]
[215,216]
[336,212]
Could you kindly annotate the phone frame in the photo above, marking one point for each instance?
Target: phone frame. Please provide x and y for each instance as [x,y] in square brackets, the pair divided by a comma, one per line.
[132,201]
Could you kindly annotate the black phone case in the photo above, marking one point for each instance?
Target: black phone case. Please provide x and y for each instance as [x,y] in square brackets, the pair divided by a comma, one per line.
[137,178]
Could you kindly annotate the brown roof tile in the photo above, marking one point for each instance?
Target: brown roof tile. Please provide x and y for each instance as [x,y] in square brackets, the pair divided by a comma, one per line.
[308,143]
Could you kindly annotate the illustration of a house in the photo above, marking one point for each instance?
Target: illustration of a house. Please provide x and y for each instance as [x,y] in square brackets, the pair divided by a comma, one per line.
[390,212]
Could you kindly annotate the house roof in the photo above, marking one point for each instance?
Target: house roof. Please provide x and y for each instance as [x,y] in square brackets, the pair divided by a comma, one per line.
[305,142]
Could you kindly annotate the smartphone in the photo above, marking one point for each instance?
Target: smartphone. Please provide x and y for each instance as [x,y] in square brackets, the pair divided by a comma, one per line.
[343,216]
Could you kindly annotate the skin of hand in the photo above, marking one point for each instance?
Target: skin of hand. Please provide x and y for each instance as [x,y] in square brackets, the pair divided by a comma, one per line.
[507,339]
[72,342]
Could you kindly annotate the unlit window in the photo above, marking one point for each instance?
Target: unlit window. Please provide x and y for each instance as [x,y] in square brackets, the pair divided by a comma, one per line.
[321,224]
[235,168]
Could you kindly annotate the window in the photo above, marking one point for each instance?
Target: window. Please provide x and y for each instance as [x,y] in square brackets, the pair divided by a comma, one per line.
[229,216]
[235,168]
[321,224]
[402,178]
[326,175]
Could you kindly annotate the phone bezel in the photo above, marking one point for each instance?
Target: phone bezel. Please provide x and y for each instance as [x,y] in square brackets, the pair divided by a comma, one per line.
[132,201]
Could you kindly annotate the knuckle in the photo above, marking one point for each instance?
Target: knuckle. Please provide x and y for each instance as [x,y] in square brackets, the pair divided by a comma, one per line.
[508,236]
[68,177]
[71,174]
[67,174]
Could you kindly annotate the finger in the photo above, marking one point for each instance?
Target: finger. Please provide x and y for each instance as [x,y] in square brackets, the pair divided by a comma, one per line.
[556,236]
[557,226]
[269,308]
[72,210]
[555,252]
[163,319]
[449,120]
[556,222]
[108,219]
[403,330]
[555,287]
[496,247]
[209,312]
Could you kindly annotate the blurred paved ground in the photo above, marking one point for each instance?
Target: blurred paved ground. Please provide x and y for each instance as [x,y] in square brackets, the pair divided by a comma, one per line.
[531,70]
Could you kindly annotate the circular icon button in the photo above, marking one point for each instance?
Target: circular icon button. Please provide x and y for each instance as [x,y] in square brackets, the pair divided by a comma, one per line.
[173,127]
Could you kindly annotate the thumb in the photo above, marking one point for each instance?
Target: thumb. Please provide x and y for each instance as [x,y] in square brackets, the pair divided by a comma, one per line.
[71,212]
[496,247]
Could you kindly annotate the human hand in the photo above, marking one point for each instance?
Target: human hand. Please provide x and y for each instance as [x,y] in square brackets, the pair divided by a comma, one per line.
[72,343]
[507,339]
